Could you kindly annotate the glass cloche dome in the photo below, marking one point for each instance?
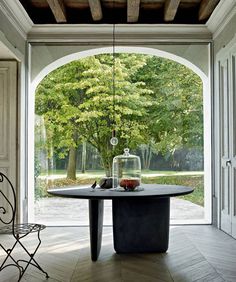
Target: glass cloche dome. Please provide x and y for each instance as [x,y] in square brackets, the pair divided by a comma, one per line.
[126,171]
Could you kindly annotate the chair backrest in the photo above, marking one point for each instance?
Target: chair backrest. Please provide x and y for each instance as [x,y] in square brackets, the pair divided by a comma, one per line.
[7,201]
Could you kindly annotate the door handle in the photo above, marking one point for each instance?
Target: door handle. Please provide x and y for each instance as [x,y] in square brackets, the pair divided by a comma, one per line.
[226,162]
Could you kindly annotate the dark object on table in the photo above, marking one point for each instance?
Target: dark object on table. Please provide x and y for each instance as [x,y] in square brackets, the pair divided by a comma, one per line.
[106,182]
[19,231]
[94,185]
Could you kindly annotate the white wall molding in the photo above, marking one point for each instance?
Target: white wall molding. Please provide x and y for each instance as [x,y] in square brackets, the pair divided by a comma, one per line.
[124,33]
[65,33]
[17,16]
[104,50]
[14,52]
[226,49]
[139,50]
[223,13]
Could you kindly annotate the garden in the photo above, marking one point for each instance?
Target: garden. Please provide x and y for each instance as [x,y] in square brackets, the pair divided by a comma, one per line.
[155,109]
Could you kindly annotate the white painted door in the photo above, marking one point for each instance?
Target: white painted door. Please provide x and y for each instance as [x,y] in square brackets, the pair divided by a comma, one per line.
[224,101]
[8,117]
[226,86]
[233,118]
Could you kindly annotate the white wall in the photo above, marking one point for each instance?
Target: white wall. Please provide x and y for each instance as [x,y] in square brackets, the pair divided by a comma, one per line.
[13,47]
[226,35]
[44,54]
[11,34]
[46,57]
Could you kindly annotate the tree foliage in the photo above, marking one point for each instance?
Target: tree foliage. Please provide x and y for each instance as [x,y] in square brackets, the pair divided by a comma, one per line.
[147,100]
[79,102]
[176,114]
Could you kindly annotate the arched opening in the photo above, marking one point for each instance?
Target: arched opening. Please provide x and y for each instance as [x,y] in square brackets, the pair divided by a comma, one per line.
[162,54]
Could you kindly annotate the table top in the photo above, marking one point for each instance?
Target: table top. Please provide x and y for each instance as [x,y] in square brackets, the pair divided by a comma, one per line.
[150,190]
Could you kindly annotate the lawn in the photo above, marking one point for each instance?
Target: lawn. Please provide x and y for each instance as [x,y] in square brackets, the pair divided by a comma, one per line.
[195,181]
[191,179]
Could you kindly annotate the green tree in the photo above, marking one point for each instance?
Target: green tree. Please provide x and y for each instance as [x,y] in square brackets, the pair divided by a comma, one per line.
[78,104]
[57,99]
[154,101]
[103,110]
[176,115]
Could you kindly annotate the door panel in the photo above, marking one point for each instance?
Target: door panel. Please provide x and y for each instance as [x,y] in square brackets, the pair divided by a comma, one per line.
[8,114]
[233,111]
[223,69]
[226,78]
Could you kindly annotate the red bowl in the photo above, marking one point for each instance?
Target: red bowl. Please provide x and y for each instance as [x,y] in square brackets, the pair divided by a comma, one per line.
[129,184]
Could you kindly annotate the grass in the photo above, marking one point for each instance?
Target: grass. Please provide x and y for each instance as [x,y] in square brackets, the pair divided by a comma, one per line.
[194,181]
[191,179]
[78,173]
[89,173]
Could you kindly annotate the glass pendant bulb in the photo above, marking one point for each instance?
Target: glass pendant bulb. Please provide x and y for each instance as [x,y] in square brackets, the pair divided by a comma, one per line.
[114,141]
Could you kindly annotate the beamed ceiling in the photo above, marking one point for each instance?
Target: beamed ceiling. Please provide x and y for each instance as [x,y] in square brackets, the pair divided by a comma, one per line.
[119,11]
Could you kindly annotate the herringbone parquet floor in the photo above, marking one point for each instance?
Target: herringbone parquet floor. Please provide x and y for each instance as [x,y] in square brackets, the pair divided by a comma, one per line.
[196,253]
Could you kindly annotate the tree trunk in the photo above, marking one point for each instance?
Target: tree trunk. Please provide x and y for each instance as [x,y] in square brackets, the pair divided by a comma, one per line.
[108,169]
[143,156]
[83,160]
[146,154]
[107,164]
[71,168]
[146,157]
[50,161]
[149,156]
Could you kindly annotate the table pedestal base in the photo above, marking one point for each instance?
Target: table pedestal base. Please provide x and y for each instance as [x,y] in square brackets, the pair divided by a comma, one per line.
[141,225]
[95,225]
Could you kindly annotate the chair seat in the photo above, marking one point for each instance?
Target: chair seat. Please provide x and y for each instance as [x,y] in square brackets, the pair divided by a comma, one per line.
[23,228]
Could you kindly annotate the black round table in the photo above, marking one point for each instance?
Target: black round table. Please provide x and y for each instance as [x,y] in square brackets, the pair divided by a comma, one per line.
[140,219]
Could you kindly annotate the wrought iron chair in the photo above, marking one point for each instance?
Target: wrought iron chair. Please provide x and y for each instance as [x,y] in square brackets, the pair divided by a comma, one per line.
[19,231]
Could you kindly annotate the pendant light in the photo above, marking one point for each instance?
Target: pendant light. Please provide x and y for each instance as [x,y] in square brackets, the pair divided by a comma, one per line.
[114,139]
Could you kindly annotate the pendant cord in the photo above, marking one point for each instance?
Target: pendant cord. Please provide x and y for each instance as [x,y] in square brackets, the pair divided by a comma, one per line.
[113,76]
[113,140]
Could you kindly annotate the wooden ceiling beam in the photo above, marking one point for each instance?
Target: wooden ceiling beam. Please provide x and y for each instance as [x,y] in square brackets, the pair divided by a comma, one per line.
[206,8]
[171,7]
[96,9]
[133,11]
[58,10]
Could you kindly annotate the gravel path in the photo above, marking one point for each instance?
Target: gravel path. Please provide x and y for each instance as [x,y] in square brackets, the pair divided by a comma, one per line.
[63,211]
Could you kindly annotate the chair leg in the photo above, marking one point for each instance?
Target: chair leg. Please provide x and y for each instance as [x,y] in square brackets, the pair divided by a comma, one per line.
[9,252]
[34,263]
[31,261]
